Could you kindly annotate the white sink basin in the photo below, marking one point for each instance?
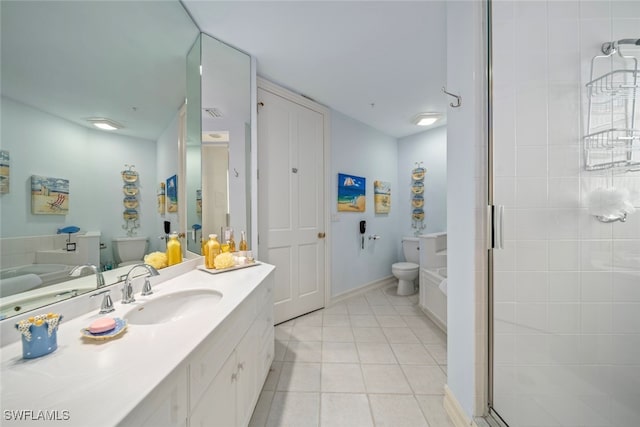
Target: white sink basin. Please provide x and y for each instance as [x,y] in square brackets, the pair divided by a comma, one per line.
[173,306]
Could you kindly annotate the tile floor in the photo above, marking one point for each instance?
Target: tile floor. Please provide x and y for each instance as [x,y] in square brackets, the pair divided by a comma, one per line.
[372,360]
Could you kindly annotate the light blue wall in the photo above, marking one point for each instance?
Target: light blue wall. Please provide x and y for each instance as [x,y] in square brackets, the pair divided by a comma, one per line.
[466,204]
[429,147]
[42,144]
[360,150]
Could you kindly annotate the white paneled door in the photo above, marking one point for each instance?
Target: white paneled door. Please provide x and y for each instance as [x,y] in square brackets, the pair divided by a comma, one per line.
[291,199]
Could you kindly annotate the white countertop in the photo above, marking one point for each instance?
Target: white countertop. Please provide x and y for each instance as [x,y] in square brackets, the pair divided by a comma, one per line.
[100,382]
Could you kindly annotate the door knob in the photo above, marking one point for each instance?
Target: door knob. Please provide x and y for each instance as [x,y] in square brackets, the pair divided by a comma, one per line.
[321,235]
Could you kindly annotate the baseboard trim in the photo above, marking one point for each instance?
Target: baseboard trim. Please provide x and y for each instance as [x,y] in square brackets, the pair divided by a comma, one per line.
[439,323]
[390,280]
[455,411]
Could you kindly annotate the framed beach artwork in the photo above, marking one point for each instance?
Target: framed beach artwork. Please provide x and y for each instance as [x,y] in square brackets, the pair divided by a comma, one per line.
[382,196]
[172,194]
[49,196]
[4,171]
[351,193]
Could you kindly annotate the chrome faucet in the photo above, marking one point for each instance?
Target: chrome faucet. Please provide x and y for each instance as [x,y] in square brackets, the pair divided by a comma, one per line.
[127,290]
[99,277]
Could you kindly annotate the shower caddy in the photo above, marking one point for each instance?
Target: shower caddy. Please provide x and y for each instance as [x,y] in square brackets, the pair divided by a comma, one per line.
[612,139]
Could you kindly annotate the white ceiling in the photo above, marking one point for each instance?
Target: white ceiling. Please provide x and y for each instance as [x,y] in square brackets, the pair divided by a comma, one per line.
[380,62]
[124,60]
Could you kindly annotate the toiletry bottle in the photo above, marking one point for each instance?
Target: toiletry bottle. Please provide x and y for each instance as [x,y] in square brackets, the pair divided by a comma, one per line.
[243,242]
[203,247]
[231,242]
[174,250]
[212,251]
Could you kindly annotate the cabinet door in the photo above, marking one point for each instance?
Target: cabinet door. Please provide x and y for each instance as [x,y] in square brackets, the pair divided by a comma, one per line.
[247,367]
[218,404]
[166,405]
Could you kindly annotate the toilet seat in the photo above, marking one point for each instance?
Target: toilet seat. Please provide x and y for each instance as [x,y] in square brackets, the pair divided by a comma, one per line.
[405,266]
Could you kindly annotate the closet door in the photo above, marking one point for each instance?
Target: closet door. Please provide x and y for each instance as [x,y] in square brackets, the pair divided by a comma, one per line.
[291,198]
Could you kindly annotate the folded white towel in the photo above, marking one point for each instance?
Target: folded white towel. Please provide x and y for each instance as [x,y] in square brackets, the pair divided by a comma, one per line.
[443,286]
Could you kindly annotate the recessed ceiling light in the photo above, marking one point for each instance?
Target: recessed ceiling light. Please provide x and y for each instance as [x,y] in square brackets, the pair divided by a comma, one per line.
[104,124]
[215,136]
[426,119]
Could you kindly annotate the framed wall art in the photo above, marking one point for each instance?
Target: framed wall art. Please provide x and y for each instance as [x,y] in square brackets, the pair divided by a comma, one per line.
[351,193]
[49,196]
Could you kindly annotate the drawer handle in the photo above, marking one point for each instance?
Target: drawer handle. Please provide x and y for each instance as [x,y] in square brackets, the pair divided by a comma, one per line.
[234,377]
[241,366]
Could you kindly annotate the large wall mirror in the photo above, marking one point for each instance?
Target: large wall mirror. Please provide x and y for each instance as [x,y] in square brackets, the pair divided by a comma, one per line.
[218,150]
[64,62]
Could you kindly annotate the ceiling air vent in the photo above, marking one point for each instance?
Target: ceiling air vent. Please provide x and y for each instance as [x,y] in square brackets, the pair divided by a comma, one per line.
[213,112]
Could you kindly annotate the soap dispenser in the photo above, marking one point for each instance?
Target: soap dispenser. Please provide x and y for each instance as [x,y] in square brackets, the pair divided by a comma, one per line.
[174,250]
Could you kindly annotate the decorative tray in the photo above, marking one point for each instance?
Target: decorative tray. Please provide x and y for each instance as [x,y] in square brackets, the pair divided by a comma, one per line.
[121,326]
[224,270]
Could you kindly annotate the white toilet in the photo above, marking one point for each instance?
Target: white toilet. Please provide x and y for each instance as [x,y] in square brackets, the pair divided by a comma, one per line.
[407,272]
[129,250]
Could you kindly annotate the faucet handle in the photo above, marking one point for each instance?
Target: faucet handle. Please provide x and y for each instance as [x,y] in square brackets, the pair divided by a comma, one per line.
[127,293]
[107,303]
[146,289]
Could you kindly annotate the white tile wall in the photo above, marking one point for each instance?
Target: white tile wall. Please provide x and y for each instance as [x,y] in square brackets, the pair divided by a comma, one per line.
[567,287]
[17,251]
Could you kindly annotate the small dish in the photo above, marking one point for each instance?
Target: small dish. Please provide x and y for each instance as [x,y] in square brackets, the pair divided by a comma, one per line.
[418,174]
[129,176]
[130,214]
[121,326]
[130,202]
[130,189]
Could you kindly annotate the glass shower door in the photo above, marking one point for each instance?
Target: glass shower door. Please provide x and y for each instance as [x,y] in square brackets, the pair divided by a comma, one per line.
[566,285]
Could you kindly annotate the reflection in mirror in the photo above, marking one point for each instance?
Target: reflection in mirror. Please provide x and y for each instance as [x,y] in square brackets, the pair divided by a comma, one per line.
[226,139]
[193,173]
[62,64]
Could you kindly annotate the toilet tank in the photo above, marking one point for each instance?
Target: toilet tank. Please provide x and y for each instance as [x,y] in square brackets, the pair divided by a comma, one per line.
[410,249]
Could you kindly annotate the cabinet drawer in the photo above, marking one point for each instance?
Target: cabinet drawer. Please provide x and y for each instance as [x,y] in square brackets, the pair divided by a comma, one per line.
[263,324]
[264,295]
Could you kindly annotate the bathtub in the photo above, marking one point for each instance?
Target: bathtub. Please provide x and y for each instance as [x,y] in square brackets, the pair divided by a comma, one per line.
[433,299]
[14,280]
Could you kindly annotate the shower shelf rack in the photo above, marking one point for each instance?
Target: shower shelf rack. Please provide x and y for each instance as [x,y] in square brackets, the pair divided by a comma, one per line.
[612,139]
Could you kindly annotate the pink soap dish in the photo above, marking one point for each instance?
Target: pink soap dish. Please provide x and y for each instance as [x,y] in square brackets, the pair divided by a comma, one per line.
[121,326]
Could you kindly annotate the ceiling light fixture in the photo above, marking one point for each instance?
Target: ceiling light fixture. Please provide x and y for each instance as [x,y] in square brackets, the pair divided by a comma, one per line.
[104,124]
[426,119]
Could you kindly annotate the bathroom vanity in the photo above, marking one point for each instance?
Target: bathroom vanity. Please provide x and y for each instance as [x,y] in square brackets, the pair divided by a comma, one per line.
[201,365]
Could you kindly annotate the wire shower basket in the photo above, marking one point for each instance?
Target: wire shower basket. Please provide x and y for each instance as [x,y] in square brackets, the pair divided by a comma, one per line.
[612,139]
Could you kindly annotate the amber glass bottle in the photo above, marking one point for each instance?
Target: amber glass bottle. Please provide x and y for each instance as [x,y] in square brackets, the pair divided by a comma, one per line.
[212,251]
